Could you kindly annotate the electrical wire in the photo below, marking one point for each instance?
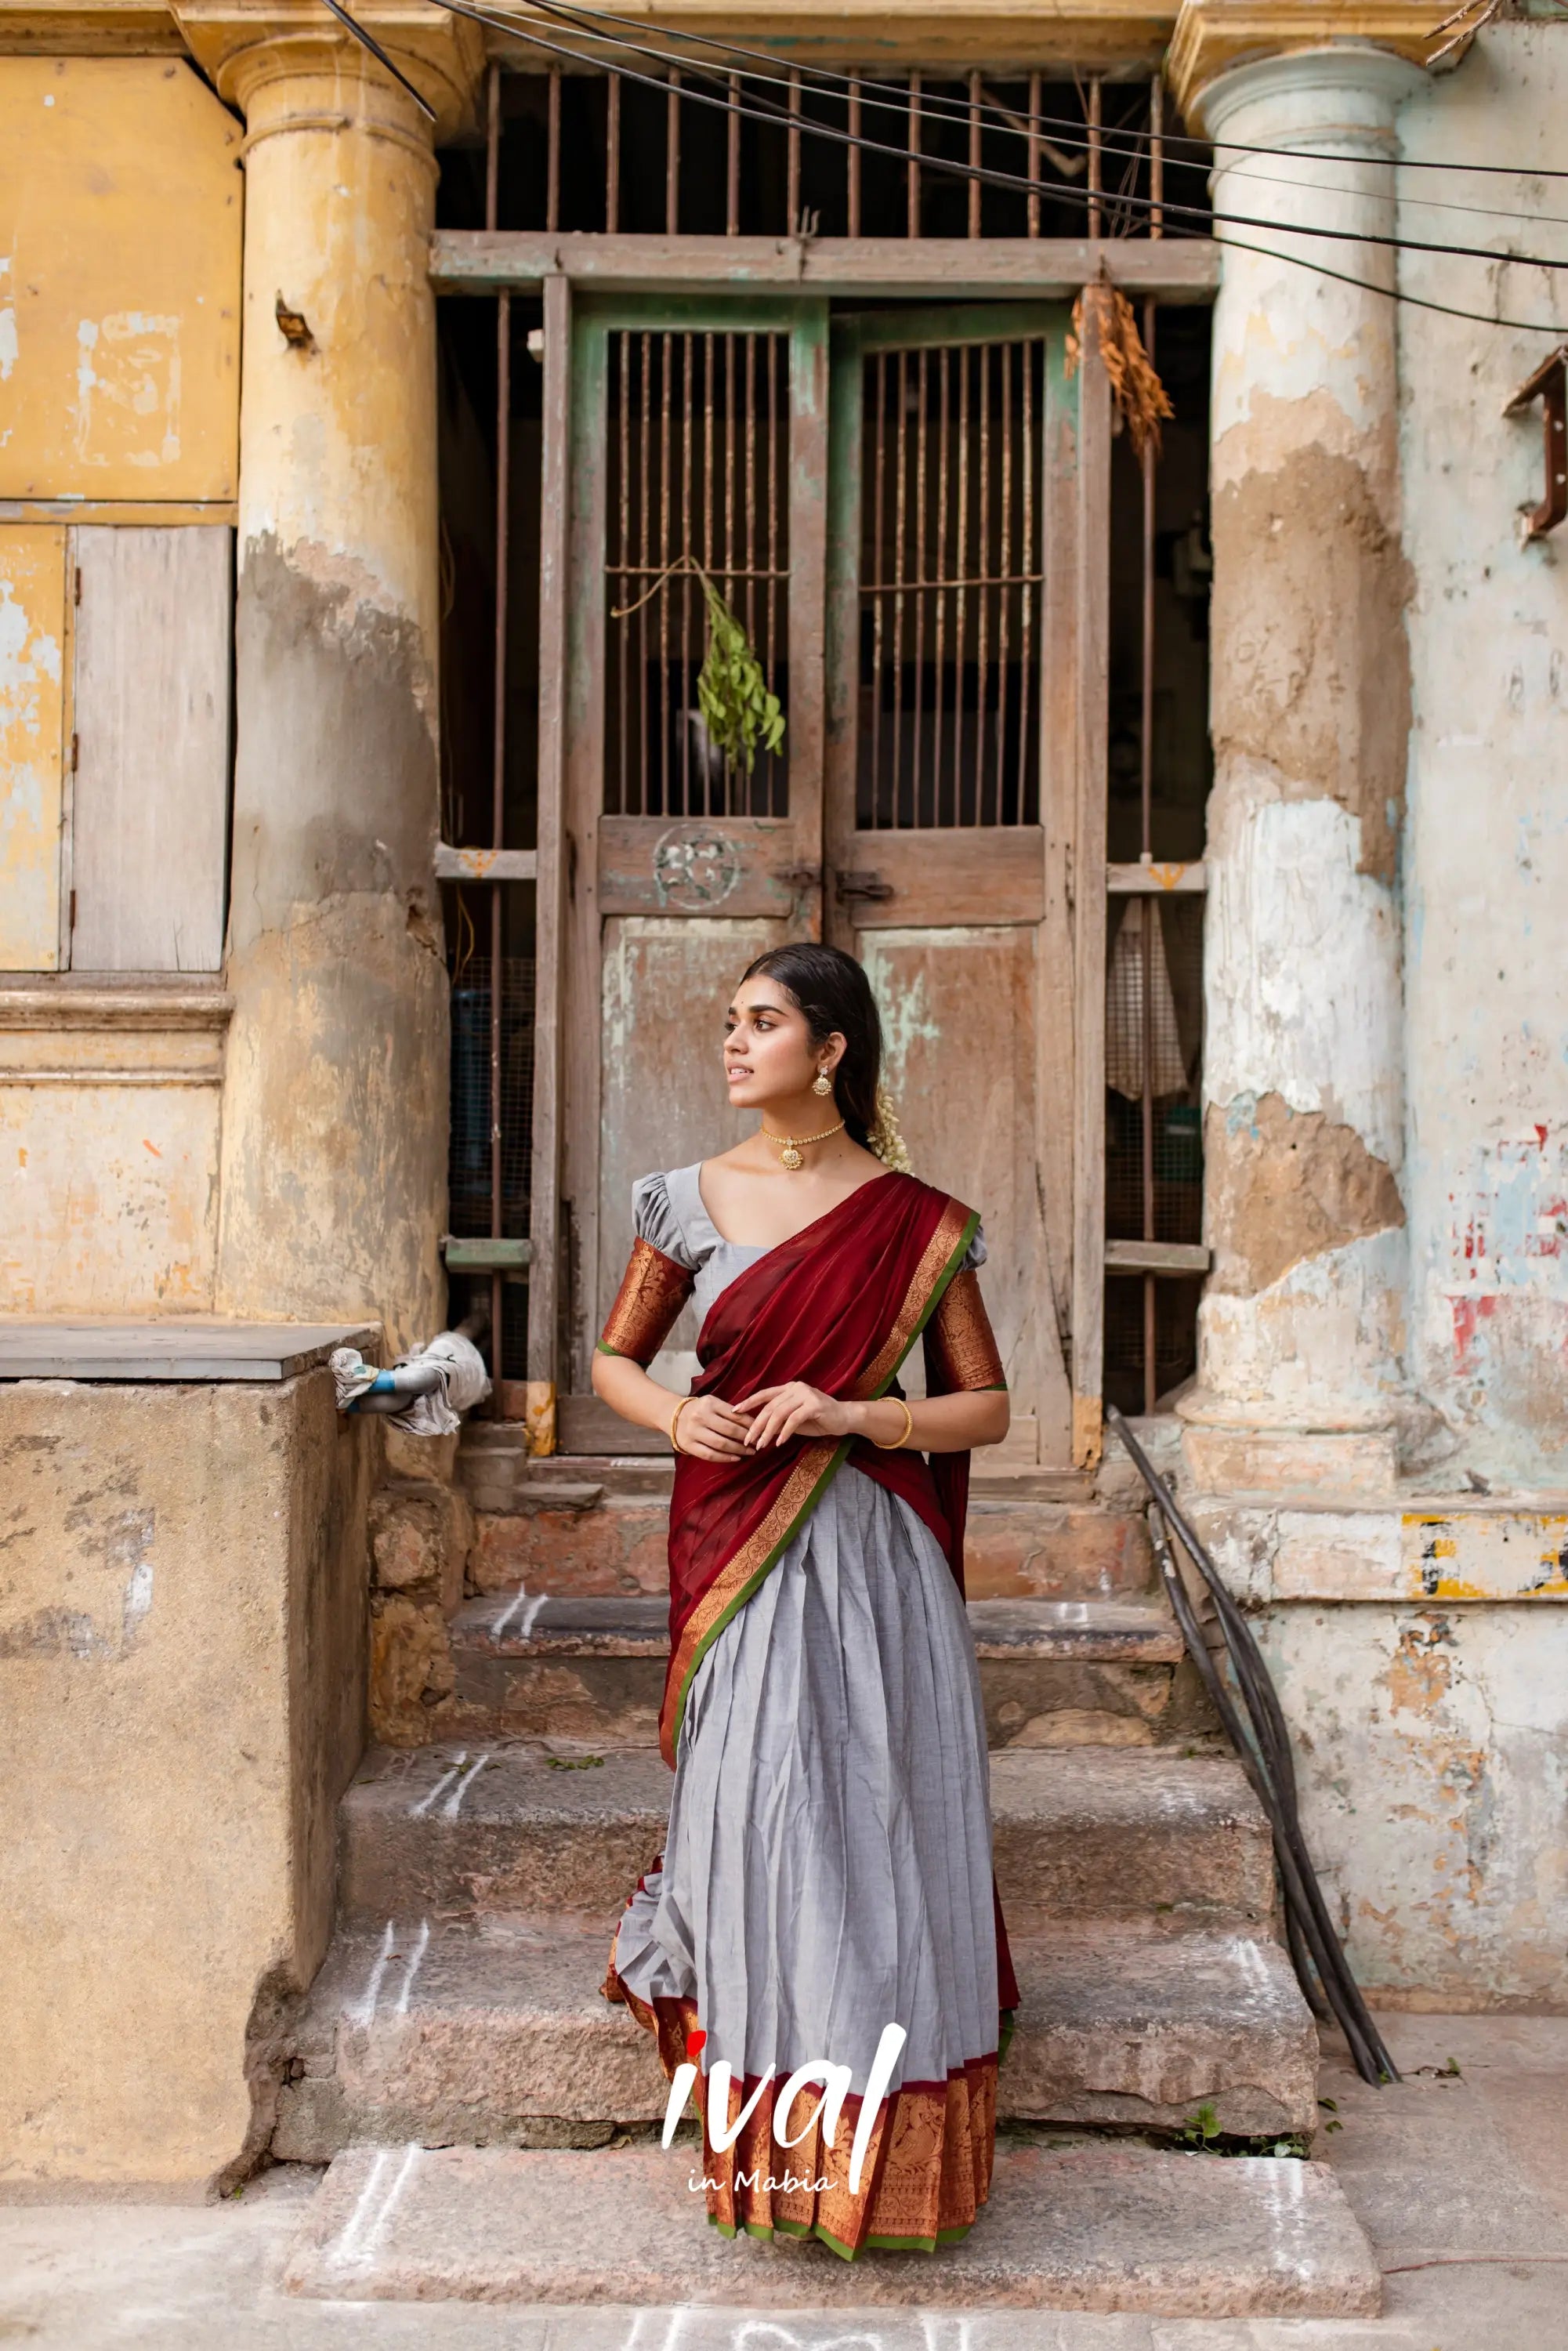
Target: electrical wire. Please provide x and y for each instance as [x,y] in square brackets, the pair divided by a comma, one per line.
[781,119]
[827,74]
[1017,182]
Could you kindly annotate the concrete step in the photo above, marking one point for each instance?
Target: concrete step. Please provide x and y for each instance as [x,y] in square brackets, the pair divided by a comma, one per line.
[491,2032]
[1081,2227]
[1089,1833]
[1054,1673]
[600,1532]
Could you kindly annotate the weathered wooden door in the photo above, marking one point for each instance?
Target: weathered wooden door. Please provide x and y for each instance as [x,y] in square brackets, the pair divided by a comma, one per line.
[699,440]
[962,837]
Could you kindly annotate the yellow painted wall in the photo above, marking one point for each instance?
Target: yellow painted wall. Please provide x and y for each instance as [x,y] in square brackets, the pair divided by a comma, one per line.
[120,204]
[32,708]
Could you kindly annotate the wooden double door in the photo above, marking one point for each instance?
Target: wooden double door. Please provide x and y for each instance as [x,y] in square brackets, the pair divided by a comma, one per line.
[905,507]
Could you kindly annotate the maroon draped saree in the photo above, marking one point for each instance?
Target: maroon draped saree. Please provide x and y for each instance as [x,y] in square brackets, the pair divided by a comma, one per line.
[839,1306]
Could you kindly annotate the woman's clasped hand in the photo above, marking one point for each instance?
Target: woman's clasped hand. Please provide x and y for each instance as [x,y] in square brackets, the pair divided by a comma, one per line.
[715,1431]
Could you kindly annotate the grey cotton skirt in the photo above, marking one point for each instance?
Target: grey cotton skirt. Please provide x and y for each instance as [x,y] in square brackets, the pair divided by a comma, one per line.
[828,1867]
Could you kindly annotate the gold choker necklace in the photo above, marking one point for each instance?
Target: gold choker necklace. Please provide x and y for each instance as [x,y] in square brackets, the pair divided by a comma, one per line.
[789,1156]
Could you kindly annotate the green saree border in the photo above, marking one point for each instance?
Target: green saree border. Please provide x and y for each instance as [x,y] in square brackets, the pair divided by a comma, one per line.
[765,1567]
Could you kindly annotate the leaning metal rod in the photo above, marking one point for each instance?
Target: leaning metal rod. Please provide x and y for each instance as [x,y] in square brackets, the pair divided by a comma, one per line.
[1310,1956]
[1271,1750]
[1257,1729]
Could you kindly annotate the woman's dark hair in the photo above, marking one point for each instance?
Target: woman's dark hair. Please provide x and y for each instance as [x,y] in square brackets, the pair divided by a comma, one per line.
[833,993]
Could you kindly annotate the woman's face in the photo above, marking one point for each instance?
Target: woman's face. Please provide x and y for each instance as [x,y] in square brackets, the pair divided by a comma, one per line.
[768,1053]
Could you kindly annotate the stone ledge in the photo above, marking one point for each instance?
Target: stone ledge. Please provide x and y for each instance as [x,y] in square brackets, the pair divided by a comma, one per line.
[1436,1549]
[190,1350]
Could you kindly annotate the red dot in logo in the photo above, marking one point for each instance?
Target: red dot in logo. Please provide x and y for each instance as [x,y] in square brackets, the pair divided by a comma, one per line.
[696,2042]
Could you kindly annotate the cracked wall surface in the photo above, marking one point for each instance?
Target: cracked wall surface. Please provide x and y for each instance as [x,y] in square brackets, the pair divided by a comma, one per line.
[1485,946]
[183,1611]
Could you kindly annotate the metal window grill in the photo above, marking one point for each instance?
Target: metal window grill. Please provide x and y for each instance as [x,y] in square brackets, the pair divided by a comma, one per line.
[952,578]
[468,1158]
[699,465]
[783,154]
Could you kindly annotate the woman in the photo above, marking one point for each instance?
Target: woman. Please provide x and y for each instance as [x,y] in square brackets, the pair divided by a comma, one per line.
[828,1869]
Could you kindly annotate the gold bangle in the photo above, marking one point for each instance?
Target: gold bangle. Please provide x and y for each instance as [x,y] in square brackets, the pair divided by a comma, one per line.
[894,1443]
[675,1445]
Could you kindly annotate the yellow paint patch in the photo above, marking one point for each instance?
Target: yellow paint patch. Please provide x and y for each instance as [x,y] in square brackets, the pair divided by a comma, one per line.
[32,726]
[120,201]
[1484,1555]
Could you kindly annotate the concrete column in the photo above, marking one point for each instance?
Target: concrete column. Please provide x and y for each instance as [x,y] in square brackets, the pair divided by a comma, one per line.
[1300,1376]
[335,1109]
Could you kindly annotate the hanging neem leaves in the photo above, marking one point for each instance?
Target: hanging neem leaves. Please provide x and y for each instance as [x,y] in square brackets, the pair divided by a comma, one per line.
[736,707]
[740,713]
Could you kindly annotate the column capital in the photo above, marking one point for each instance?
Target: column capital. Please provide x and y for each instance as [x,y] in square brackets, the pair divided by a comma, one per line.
[1213,37]
[246,49]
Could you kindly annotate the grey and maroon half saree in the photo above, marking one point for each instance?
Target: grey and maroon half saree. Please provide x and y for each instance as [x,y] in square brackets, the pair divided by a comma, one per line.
[828,1867]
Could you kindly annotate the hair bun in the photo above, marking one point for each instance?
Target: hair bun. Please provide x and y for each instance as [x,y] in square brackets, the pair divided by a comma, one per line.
[885,1142]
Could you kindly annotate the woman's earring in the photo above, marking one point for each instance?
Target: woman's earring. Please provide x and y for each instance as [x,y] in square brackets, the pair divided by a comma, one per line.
[821,1083]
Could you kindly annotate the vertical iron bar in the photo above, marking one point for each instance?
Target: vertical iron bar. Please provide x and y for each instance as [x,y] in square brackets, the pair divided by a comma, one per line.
[672,155]
[916,775]
[879,476]
[613,156]
[499,740]
[792,166]
[707,350]
[683,702]
[974,152]
[666,349]
[624,556]
[750,506]
[1004,567]
[960,617]
[552,153]
[1151,911]
[1095,156]
[983,594]
[644,501]
[770,345]
[1157,157]
[1029,567]
[732,161]
[901,507]
[1033,152]
[852,160]
[940,571]
[913,168]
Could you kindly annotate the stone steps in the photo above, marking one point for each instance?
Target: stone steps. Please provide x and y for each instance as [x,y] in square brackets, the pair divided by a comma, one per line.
[1086,1834]
[1100,2228]
[491,2031]
[596,1528]
[1054,1673]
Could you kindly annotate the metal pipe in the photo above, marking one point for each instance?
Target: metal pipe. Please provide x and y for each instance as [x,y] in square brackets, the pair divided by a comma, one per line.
[552,154]
[1258,1730]
[613,156]
[672,155]
[793,165]
[732,161]
[1033,152]
[974,152]
[852,161]
[911,169]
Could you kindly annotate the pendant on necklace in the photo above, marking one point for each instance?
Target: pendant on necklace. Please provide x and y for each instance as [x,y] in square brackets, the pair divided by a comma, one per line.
[789,1157]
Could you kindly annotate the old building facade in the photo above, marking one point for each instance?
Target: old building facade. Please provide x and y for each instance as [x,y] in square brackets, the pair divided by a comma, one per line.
[368,878]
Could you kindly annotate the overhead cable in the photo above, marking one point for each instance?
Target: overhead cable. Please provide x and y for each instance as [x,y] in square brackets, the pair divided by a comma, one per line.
[989,175]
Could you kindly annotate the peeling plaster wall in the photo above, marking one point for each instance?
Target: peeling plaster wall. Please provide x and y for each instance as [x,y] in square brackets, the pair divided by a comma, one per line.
[1302,1328]
[334,1163]
[1487,857]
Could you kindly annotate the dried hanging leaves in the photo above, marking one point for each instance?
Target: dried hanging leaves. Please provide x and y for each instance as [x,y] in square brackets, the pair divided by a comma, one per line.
[1136,388]
[738,709]
[740,713]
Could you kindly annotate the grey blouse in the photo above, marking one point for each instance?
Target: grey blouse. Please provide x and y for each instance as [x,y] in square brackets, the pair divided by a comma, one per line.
[668,1214]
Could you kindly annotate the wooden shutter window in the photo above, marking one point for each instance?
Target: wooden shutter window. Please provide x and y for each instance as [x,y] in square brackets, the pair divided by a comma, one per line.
[149,831]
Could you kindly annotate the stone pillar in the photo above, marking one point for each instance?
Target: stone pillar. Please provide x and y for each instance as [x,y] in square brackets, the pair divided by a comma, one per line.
[1300,1377]
[334,1146]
